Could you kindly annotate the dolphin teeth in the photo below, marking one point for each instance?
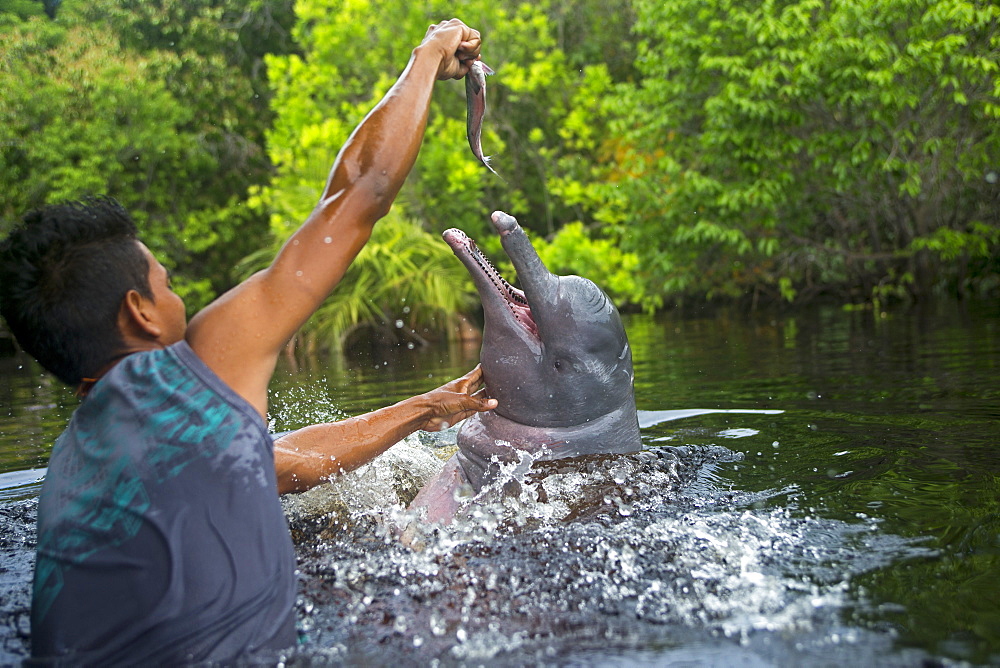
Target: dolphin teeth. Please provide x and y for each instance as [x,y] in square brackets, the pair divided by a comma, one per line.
[516,301]
[495,276]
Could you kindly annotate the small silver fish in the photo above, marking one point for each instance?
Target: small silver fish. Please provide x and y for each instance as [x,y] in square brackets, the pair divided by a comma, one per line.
[475,102]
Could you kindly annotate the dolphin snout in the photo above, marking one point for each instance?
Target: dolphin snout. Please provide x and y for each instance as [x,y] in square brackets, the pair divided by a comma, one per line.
[504,223]
[455,238]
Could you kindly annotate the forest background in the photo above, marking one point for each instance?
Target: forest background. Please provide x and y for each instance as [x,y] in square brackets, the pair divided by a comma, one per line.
[765,152]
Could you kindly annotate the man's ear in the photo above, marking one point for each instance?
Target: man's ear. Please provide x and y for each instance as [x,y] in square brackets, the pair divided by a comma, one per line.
[138,316]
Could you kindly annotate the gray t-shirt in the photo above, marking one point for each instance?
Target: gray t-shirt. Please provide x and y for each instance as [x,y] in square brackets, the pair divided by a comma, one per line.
[161,538]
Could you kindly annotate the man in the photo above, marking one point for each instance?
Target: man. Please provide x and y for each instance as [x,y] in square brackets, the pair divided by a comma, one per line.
[160,535]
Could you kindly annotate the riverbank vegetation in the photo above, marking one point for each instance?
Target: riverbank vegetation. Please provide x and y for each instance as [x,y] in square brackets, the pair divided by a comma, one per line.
[772,152]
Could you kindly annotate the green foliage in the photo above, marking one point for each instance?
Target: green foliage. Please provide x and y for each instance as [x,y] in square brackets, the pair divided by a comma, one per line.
[161,105]
[805,144]
[15,11]
[693,149]
[81,116]
[573,251]
[404,286]
[980,242]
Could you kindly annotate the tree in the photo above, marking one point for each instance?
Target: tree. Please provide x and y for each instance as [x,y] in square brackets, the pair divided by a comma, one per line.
[81,116]
[794,147]
[162,105]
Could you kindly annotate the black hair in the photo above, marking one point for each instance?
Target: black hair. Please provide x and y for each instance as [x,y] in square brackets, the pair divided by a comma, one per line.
[63,274]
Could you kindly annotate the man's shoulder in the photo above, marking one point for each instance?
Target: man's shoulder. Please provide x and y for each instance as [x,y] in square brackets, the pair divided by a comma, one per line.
[163,376]
[157,402]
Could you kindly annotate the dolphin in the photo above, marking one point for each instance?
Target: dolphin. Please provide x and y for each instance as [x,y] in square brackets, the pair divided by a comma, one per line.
[555,356]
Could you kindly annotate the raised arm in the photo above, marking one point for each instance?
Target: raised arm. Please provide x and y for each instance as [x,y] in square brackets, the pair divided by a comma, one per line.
[240,335]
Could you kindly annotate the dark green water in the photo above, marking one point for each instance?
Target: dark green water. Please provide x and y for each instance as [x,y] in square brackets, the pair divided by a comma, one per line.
[893,418]
[860,525]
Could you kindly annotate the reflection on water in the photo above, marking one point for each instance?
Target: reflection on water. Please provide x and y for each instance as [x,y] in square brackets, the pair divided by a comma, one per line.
[34,409]
[860,524]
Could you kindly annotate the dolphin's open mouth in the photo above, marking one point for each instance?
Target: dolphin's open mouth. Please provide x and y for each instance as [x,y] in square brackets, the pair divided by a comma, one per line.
[474,260]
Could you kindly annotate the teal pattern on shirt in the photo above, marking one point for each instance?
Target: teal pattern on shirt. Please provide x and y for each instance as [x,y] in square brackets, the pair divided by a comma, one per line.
[101,467]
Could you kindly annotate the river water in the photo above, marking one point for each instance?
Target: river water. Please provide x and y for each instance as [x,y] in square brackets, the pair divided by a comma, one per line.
[829,497]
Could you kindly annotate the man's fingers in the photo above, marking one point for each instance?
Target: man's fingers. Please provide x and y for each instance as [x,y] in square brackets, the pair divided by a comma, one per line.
[471,380]
[469,49]
[476,375]
[460,43]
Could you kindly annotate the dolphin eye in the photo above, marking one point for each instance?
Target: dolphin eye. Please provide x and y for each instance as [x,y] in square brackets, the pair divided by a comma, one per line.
[558,364]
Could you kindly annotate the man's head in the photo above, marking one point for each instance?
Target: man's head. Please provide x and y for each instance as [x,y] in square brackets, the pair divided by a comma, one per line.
[64,276]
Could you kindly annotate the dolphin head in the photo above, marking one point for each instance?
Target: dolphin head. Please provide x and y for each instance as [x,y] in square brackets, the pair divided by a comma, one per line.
[555,353]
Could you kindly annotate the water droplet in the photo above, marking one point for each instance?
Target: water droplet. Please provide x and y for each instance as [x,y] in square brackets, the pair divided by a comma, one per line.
[328,240]
[437,624]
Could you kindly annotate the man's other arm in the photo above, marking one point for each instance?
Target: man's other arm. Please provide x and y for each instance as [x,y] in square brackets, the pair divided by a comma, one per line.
[314,454]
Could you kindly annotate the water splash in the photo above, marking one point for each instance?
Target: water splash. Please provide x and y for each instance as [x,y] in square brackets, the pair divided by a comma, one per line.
[17,547]
[603,559]
[567,557]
